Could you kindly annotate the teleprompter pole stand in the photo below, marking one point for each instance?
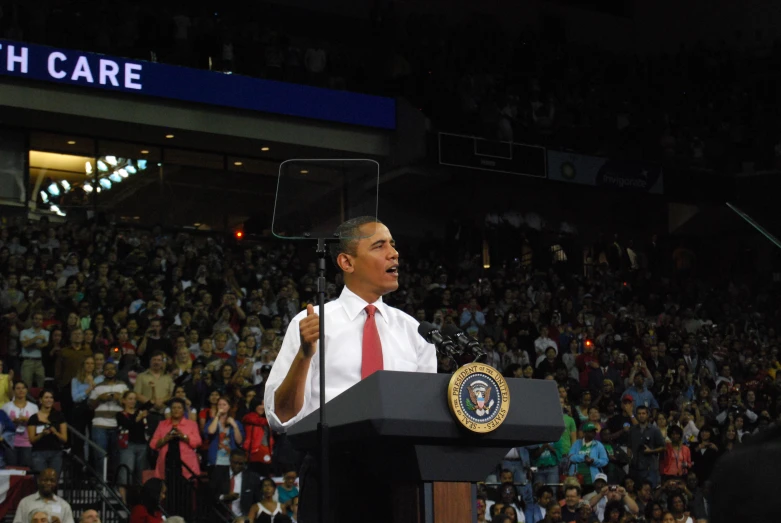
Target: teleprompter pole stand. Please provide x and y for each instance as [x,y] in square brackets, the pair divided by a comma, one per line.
[324,495]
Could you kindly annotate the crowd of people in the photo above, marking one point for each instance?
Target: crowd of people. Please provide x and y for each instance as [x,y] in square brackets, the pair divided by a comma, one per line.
[473,77]
[116,338]
[156,346]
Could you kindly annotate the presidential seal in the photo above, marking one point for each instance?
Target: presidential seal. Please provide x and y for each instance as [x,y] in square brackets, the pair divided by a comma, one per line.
[478,397]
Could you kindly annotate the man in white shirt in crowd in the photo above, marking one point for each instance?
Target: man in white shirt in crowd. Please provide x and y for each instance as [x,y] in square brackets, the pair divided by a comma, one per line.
[45,500]
[542,343]
[369,262]
[33,341]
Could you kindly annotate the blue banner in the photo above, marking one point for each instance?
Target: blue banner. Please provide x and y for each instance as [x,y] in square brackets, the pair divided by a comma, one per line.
[604,172]
[65,66]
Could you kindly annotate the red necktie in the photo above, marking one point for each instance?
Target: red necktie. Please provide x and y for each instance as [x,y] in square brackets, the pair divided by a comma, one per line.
[372,346]
[233,484]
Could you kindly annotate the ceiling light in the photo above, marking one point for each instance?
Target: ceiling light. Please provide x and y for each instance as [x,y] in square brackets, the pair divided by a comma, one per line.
[122,173]
[114,177]
[111,160]
[169,136]
[141,164]
[87,187]
[71,142]
[237,164]
[57,210]
[264,148]
[54,190]
[65,185]
[304,171]
[44,197]
[98,189]
[144,151]
[102,167]
[88,167]
[105,184]
[131,169]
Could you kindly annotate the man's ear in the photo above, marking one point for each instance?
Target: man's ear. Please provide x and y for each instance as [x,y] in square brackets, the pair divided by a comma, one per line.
[345,262]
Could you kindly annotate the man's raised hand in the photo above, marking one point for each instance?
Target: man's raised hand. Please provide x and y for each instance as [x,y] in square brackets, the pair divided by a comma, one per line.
[309,328]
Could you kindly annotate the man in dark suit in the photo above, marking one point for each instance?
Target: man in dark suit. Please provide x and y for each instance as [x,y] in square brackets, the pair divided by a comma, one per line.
[655,362]
[598,376]
[235,488]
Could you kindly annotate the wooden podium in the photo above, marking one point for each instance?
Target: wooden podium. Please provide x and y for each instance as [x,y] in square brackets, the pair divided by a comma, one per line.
[402,420]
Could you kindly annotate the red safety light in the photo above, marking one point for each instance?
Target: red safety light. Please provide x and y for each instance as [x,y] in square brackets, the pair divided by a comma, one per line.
[239,235]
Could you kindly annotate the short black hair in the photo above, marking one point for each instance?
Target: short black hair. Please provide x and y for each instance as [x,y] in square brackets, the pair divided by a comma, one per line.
[641,407]
[348,233]
[180,401]
[543,489]
[238,452]
[615,505]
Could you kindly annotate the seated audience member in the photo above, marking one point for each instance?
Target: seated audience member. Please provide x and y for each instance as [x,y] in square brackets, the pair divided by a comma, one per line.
[152,496]
[45,500]
[267,510]
[236,488]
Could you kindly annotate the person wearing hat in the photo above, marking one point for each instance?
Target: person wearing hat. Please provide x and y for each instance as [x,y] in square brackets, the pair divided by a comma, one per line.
[604,494]
[587,456]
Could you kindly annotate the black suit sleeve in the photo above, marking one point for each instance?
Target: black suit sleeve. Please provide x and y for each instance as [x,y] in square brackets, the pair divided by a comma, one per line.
[218,483]
[250,491]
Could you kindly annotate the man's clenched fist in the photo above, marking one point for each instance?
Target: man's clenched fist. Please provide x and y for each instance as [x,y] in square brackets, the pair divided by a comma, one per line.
[309,328]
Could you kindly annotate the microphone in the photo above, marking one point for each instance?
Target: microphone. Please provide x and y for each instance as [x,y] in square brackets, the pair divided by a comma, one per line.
[465,343]
[431,334]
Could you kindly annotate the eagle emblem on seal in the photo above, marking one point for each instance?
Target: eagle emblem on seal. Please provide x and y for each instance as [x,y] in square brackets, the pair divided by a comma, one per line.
[479,401]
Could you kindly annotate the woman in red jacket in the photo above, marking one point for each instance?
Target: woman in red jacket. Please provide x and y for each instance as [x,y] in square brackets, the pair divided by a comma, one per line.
[258,439]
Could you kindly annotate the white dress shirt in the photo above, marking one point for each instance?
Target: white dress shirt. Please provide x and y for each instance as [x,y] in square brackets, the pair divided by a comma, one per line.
[403,349]
[236,504]
[541,345]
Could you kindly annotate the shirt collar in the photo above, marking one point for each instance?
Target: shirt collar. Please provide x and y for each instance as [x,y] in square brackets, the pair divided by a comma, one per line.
[39,497]
[353,305]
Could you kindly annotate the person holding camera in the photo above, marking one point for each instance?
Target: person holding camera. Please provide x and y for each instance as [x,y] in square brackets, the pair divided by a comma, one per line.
[176,440]
[47,431]
[735,409]
[640,378]
[704,455]
[604,494]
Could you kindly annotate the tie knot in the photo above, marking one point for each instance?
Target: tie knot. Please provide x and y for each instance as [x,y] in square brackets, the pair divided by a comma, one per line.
[370,310]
